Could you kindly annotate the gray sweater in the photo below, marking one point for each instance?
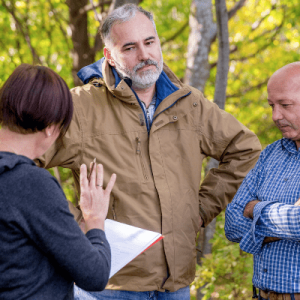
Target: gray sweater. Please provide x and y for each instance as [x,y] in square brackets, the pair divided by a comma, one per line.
[42,249]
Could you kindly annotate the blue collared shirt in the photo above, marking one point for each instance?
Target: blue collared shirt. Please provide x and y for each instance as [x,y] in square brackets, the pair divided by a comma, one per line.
[275,181]
[150,110]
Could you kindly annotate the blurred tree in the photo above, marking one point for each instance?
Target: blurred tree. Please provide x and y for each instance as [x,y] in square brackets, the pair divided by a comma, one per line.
[203,32]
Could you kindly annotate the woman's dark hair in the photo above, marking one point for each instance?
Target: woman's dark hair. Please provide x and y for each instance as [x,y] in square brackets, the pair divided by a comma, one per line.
[33,98]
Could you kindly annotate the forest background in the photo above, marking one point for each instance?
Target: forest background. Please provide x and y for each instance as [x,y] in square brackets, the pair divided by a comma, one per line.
[262,37]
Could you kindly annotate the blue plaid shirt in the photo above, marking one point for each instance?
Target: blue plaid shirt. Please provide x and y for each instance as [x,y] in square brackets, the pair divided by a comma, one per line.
[275,181]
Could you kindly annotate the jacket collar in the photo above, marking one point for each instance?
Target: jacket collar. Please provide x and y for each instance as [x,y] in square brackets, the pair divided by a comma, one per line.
[91,71]
[101,69]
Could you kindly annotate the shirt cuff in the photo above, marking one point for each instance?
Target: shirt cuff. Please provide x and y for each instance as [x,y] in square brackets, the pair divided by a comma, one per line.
[252,242]
[97,235]
[257,213]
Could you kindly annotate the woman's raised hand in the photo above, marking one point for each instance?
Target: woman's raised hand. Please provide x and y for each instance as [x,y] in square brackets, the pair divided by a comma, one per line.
[94,200]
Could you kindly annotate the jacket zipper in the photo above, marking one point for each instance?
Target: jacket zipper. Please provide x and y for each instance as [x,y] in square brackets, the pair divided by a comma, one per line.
[144,113]
[139,152]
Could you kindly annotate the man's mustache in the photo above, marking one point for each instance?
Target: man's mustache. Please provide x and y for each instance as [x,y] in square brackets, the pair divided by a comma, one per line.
[145,63]
[282,123]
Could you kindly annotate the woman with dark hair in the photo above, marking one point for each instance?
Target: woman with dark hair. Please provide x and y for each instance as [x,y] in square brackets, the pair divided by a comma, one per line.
[42,249]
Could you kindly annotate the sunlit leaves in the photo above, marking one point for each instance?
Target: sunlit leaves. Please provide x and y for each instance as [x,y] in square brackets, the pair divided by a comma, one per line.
[37,24]
[227,272]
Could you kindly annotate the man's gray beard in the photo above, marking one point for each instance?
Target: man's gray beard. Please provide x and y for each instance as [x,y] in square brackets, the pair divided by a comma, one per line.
[146,78]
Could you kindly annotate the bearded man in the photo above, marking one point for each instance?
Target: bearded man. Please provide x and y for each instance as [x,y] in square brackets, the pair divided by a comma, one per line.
[136,117]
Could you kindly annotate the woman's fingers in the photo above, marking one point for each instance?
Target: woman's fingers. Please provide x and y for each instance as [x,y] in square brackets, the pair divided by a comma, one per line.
[95,177]
[111,183]
[94,200]
[92,177]
[99,181]
[83,178]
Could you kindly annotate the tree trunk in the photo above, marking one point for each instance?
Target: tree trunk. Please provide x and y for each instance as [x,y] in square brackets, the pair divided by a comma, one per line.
[202,31]
[219,99]
[81,52]
[223,55]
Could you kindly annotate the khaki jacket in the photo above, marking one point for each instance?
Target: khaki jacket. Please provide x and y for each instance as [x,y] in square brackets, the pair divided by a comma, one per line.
[158,172]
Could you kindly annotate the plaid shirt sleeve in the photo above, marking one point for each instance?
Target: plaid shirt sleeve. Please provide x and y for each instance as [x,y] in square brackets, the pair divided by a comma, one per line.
[277,220]
[237,227]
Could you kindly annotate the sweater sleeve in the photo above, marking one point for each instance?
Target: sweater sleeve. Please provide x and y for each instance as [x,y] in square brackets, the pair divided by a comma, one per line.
[46,219]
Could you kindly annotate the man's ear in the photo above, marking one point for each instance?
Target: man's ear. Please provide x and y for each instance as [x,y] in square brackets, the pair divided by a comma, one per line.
[107,55]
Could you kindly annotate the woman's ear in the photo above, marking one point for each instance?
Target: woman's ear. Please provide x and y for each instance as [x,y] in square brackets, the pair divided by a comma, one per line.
[49,130]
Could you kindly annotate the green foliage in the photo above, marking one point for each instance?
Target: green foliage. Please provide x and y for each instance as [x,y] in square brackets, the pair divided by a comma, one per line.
[45,24]
[227,272]
[67,182]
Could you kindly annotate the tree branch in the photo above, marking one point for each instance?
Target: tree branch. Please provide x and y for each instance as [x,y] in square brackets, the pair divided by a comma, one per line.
[277,29]
[236,8]
[98,44]
[256,24]
[248,89]
[235,48]
[26,36]
[176,34]
[91,6]
[57,19]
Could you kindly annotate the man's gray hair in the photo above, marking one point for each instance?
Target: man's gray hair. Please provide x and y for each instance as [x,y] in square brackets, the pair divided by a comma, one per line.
[122,14]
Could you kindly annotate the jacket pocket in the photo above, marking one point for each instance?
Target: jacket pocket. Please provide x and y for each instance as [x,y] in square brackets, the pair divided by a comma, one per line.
[141,158]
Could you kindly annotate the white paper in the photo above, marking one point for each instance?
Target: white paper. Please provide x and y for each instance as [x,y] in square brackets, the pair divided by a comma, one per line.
[126,243]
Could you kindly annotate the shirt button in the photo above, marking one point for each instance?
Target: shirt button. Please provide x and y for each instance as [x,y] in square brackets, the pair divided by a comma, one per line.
[195,104]
[174,118]
[265,270]
[285,179]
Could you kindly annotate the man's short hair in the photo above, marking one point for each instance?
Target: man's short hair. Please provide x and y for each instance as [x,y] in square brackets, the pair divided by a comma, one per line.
[122,14]
[33,98]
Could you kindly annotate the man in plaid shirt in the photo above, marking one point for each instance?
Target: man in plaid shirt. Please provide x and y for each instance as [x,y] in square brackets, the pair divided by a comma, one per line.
[264,216]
